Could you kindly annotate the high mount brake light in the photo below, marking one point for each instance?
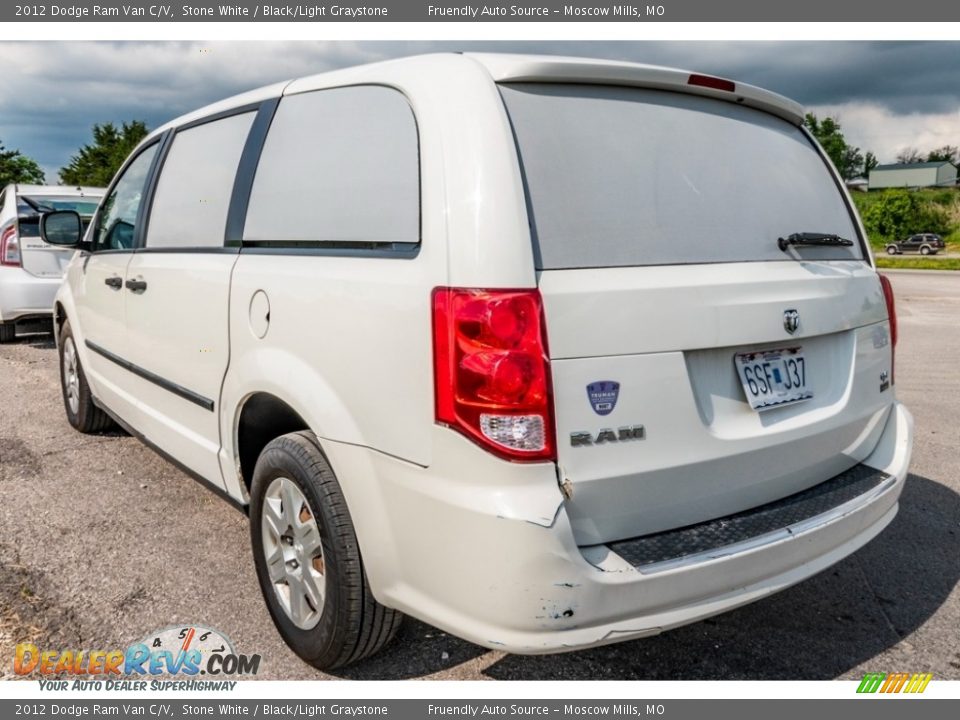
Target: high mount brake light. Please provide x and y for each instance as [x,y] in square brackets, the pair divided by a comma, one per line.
[491,372]
[709,81]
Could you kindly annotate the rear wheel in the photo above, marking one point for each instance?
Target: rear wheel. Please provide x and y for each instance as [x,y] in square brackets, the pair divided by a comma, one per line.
[308,559]
[8,331]
[82,412]
[925,250]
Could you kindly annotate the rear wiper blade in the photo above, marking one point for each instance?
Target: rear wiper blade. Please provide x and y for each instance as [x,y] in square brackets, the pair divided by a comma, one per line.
[809,238]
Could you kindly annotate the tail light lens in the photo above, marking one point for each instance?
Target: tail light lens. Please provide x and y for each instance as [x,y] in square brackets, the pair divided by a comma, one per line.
[491,370]
[10,247]
[892,315]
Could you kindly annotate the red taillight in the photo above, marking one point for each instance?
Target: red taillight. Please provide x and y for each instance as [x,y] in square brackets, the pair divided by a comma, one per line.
[891,307]
[491,370]
[715,83]
[10,247]
[892,316]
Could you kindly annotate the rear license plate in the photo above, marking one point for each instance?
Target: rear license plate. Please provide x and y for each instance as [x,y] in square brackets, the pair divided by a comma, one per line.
[772,378]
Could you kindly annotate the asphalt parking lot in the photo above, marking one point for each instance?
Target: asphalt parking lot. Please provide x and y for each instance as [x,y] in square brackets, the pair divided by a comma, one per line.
[102,542]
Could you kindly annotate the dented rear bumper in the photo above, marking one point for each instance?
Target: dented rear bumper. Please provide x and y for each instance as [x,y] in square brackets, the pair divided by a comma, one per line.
[486,552]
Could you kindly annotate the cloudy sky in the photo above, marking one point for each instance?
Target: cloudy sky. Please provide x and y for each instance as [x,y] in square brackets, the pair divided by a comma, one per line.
[887,95]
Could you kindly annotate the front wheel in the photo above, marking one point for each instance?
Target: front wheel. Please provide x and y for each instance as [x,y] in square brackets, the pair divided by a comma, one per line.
[308,559]
[8,332]
[82,413]
[891,250]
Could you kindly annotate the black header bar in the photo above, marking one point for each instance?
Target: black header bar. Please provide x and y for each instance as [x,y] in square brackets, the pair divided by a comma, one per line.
[523,11]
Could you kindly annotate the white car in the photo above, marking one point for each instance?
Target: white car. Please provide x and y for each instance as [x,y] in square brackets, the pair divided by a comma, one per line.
[30,269]
[548,353]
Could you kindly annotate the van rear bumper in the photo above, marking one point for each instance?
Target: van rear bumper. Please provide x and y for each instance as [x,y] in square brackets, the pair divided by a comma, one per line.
[23,295]
[492,566]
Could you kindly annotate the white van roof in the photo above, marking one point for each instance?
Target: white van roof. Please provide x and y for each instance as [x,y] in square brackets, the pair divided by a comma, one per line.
[520,68]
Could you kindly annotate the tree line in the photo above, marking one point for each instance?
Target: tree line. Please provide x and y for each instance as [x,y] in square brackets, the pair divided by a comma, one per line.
[852,163]
[94,164]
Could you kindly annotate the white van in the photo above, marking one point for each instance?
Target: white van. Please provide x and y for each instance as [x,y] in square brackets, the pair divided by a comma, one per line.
[30,269]
[546,352]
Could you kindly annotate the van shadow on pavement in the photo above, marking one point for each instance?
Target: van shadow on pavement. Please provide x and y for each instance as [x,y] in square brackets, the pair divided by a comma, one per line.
[817,630]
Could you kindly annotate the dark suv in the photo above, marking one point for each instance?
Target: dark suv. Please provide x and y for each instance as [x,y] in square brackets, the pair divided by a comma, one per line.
[923,243]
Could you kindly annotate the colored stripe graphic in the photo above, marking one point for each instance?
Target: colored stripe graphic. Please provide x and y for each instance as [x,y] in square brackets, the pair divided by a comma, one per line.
[918,683]
[871,682]
[894,682]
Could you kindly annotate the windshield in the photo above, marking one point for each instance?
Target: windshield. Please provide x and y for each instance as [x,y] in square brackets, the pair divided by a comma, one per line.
[620,176]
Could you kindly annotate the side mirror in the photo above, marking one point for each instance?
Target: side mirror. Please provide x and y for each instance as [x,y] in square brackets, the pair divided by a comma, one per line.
[61,227]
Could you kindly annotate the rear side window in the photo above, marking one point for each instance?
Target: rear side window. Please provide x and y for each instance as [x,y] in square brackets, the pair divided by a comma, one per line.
[620,176]
[339,167]
[192,197]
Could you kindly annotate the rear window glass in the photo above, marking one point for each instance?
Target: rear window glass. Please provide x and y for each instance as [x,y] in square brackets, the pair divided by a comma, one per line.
[620,176]
[30,207]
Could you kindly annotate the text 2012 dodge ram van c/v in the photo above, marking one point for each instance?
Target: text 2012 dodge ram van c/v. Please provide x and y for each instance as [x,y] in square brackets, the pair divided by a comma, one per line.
[546,352]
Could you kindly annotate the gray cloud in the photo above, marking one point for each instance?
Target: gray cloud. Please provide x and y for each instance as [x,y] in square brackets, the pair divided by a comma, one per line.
[894,93]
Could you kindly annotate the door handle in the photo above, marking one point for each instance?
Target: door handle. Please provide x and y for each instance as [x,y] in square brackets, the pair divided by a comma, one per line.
[137,286]
[115,282]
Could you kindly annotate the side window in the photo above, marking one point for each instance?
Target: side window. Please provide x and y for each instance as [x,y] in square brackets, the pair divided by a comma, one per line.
[120,211]
[192,197]
[338,167]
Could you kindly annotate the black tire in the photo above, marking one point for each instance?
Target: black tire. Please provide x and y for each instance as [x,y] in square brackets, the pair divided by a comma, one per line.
[892,250]
[352,624]
[925,250]
[86,416]
[8,331]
